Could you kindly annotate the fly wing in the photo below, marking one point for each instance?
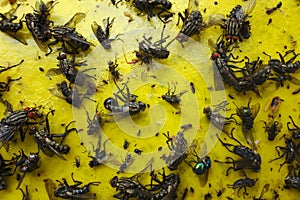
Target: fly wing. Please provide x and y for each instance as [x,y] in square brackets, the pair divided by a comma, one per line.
[255,109]
[249,6]
[6,133]
[212,45]
[53,72]
[17,36]
[75,20]
[248,135]
[50,188]
[215,19]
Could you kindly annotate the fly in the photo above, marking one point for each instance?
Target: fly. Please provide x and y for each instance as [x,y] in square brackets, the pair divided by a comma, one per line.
[101,157]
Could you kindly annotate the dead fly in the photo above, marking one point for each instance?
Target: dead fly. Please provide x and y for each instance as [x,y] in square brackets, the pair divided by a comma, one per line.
[274,104]
[103,37]
[68,69]
[283,68]
[15,121]
[114,72]
[264,190]
[101,157]
[71,40]
[126,163]
[290,151]
[25,195]
[247,115]
[94,125]
[5,170]
[66,191]
[250,159]
[70,94]
[26,163]
[242,183]
[236,26]
[216,118]
[149,50]
[42,12]
[192,22]
[158,7]
[273,128]
[130,105]
[171,97]
[295,131]
[9,27]
[292,181]
[178,146]
[201,164]
[45,140]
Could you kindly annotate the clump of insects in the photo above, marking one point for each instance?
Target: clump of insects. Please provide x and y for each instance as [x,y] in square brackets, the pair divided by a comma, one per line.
[218,120]
[130,104]
[236,26]
[8,26]
[247,114]
[250,159]
[178,146]
[171,97]
[45,140]
[72,41]
[67,191]
[103,36]
[292,180]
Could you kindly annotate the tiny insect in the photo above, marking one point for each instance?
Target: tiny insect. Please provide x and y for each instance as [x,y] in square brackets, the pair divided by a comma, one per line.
[138,151]
[115,75]
[9,27]
[126,144]
[273,128]
[77,162]
[103,37]
[292,180]
[274,104]
[94,125]
[269,11]
[127,162]
[101,157]
[242,183]
[67,191]
[295,131]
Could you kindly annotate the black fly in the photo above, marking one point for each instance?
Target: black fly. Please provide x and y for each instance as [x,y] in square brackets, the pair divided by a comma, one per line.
[101,157]
[115,75]
[67,191]
[272,128]
[71,40]
[94,124]
[9,27]
[171,97]
[103,37]
[250,159]
[243,183]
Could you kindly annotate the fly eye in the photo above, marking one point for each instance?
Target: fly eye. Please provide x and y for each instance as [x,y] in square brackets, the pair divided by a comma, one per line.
[215,55]
[31,115]
[27,108]
[227,37]
[235,38]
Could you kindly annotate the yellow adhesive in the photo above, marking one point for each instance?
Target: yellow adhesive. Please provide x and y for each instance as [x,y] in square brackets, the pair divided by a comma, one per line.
[184,65]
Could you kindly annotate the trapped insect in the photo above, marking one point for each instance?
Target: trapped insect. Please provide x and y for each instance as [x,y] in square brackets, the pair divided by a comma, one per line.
[126,163]
[250,159]
[72,41]
[171,97]
[273,128]
[45,140]
[242,183]
[103,35]
[95,123]
[74,191]
[101,157]
[11,28]
[178,146]
[292,180]
[115,75]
